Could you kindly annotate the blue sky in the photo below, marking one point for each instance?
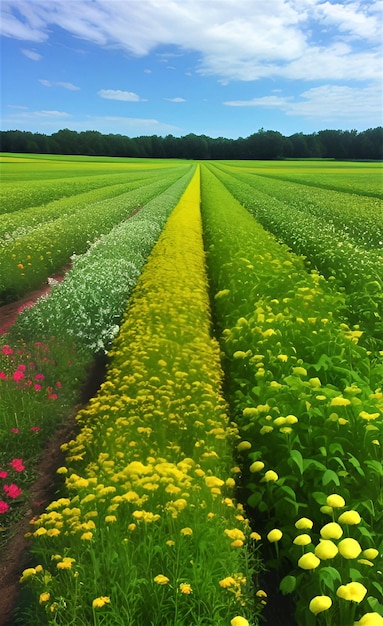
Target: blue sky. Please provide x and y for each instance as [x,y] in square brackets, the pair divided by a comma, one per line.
[215,67]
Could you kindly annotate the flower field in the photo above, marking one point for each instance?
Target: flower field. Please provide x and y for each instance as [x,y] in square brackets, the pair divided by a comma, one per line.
[237,430]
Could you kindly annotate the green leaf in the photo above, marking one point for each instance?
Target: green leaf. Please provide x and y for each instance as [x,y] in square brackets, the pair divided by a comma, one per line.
[329,575]
[288,584]
[375,466]
[330,477]
[355,574]
[254,499]
[298,459]
[319,497]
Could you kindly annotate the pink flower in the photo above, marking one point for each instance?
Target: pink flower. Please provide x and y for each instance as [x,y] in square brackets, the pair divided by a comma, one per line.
[3,376]
[17,465]
[3,474]
[22,367]
[35,429]
[12,491]
[7,350]
[17,376]
[14,430]
[3,507]
[52,396]
[38,387]
[39,377]
[58,384]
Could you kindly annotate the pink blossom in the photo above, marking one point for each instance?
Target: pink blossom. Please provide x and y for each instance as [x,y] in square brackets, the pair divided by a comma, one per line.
[14,430]
[35,429]
[39,377]
[38,387]
[22,367]
[17,465]
[52,396]
[3,507]
[17,376]
[3,474]
[7,350]
[58,384]
[12,491]
[3,376]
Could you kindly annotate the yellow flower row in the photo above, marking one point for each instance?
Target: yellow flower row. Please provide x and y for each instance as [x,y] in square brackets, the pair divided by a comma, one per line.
[150,477]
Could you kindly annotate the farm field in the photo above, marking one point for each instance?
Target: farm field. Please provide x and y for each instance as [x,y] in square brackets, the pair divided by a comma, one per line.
[228,454]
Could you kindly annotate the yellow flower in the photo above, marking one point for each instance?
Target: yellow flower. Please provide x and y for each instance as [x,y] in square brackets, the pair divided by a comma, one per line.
[335,501]
[256,536]
[326,549]
[87,536]
[332,530]
[302,540]
[283,357]
[30,571]
[354,592]
[160,579]
[315,382]
[304,523]
[186,532]
[213,481]
[370,553]
[98,603]
[66,563]
[366,562]
[349,548]
[368,416]
[239,621]
[186,588]
[274,535]
[340,401]
[44,597]
[266,429]
[110,519]
[237,543]
[300,371]
[257,466]
[349,517]
[308,561]
[243,445]
[319,604]
[227,582]
[271,476]
[235,534]
[370,619]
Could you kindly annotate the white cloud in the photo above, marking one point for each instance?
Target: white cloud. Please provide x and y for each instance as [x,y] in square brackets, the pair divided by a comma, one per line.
[282,38]
[117,94]
[326,103]
[175,99]
[49,83]
[31,54]
[69,86]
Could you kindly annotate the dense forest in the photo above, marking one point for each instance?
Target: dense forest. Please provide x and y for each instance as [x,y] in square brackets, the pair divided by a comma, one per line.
[264,144]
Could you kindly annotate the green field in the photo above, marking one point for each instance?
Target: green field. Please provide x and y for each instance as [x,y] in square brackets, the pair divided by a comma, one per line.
[230,314]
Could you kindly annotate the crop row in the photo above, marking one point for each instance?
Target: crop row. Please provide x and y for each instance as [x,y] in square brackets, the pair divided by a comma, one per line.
[46,357]
[20,223]
[309,403]
[15,196]
[356,215]
[354,178]
[146,530]
[356,270]
[29,260]
[88,304]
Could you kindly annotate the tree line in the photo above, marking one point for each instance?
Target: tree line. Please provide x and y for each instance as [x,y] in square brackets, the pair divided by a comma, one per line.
[264,144]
